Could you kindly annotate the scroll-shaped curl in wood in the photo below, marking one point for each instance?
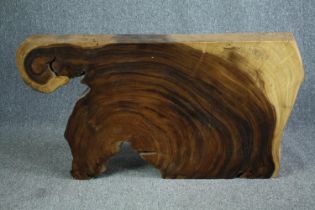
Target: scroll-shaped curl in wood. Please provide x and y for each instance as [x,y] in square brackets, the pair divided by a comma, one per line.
[189,112]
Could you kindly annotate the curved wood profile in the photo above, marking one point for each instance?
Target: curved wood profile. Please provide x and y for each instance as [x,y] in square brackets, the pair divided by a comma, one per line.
[185,107]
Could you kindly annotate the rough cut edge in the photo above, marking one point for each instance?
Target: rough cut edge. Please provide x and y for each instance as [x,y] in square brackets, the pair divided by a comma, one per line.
[276,145]
[28,45]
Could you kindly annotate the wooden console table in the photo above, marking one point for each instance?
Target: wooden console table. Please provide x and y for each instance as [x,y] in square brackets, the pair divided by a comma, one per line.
[193,106]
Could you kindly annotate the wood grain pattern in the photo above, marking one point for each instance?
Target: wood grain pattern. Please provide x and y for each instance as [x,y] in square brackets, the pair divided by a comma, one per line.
[193,106]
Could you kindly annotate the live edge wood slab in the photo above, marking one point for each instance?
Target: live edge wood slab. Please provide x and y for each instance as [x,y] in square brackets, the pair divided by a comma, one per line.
[193,106]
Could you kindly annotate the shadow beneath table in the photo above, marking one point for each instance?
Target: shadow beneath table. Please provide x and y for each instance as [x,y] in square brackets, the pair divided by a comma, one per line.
[128,162]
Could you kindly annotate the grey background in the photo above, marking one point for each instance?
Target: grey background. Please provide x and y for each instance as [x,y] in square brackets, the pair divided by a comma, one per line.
[35,159]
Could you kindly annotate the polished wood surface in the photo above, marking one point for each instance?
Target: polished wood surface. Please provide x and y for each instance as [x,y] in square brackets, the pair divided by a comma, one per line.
[193,106]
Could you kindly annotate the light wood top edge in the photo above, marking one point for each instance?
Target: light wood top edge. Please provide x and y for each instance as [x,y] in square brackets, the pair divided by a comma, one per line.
[162,38]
